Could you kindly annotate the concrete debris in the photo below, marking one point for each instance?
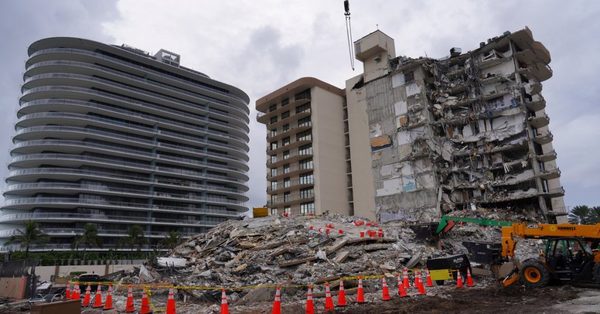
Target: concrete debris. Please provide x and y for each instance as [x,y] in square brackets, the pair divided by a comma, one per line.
[301,250]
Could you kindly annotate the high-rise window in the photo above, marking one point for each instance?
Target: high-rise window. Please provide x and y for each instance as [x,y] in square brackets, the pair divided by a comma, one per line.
[305,149]
[303,108]
[304,122]
[306,164]
[307,179]
[307,208]
[304,136]
[306,193]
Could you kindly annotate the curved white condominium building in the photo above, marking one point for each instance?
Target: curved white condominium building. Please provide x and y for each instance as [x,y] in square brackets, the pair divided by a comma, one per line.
[114,136]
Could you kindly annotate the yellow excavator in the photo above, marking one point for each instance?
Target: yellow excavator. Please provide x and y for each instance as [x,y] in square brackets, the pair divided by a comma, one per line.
[572,254]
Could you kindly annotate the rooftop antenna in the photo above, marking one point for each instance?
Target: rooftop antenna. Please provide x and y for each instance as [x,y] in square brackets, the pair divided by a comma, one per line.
[349,32]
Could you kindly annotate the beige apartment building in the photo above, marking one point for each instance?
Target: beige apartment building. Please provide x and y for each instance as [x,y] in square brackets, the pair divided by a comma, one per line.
[307,148]
[415,138]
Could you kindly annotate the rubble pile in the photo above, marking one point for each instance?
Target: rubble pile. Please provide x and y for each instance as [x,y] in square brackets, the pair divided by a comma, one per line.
[526,248]
[301,250]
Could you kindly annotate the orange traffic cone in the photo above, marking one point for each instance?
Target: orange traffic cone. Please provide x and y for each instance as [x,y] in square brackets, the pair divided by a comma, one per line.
[170,303]
[277,302]
[68,291]
[459,282]
[87,297]
[76,294]
[429,281]
[328,299]
[401,289]
[385,292]
[360,293]
[420,285]
[145,309]
[129,308]
[224,305]
[341,295]
[405,281]
[416,275]
[98,297]
[145,306]
[108,304]
[310,305]
[470,282]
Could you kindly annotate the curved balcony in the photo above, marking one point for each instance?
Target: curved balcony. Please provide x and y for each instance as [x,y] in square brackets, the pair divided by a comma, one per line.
[538,71]
[184,119]
[539,120]
[550,173]
[85,94]
[77,147]
[62,67]
[551,155]
[544,137]
[71,202]
[80,119]
[536,103]
[70,188]
[35,119]
[101,218]
[86,81]
[67,53]
[556,192]
[112,176]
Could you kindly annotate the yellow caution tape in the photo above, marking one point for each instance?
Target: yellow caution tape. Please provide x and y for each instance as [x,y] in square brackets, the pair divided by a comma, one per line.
[442,274]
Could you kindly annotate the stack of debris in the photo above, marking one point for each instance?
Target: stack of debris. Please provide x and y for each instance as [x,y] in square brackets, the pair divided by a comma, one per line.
[301,250]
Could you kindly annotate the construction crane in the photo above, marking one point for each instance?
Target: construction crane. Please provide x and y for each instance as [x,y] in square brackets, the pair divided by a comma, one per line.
[572,254]
[349,32]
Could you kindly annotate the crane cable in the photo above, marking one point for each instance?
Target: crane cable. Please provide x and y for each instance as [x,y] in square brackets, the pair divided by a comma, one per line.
[349,32]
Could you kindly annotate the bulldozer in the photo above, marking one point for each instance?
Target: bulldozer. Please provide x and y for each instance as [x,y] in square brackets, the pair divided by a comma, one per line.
[571,255]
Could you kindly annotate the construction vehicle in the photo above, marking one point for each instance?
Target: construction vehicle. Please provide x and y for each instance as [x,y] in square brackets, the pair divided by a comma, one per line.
[571,254]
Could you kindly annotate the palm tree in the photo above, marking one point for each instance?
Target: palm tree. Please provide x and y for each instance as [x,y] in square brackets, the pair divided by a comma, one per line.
[171,240]
[89,238]
[31,235]
[135,237]
[583,214]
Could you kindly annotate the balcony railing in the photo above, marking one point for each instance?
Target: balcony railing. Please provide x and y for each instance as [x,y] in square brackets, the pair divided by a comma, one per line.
[145,69]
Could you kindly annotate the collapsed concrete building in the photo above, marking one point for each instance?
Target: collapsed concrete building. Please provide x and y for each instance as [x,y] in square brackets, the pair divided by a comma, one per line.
[425,136]
[461,132]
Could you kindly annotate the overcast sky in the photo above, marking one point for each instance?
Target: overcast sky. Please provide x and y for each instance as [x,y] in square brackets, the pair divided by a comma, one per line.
[261,45]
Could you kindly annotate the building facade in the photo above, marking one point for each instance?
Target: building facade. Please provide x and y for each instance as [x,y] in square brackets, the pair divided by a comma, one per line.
[422,136]
[462,132]
[114,136]
[308,155]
